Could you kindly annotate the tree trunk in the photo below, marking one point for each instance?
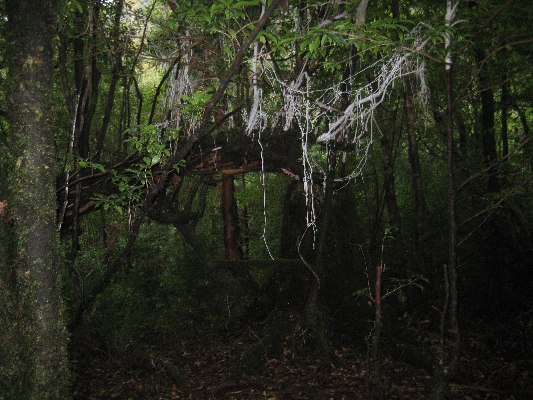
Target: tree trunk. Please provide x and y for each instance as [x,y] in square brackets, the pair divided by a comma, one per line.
[91,87]
[449,363]
[487,122]
[231,223]
[31,33]
[115,75]
[78,52]
[463,135]
[63,73]
[389,187]
[414,160]
[374,383]
[505,106]
[245,218]
[88,101]
[293,224]
[314,314]
[528,149]
[452,240]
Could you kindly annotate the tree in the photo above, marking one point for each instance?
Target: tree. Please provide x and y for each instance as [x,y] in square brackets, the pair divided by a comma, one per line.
[449,361]
[32,199]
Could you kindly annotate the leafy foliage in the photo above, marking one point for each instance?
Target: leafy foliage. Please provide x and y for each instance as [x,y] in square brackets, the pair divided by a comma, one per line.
[316,101]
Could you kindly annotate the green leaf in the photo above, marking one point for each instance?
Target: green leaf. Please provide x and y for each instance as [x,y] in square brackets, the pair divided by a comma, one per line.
[245,3]
[75,5]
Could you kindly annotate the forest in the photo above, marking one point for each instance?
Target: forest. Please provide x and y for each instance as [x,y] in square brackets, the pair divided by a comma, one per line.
[266,199]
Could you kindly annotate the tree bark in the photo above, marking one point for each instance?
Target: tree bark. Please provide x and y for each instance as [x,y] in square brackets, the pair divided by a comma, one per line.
[88,92]
[504,110]
[115,75]
[31,27]
[90,85]
[159,87]
[314,314]
[487,122]
[78,52]
[63,74]
[414,160]
[231,223]
[140,100]
[528,148]
[449,361]
[463,134]
[374,383]
[452,239]
[389,187]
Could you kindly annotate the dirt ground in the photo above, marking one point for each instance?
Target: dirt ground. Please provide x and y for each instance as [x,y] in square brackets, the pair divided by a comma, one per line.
[496,364]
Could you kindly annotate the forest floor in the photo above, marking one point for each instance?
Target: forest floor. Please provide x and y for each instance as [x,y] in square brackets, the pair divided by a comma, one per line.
[496,364]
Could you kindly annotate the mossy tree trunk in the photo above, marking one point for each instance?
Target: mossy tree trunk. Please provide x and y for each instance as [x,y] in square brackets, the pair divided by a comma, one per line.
[31,27]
